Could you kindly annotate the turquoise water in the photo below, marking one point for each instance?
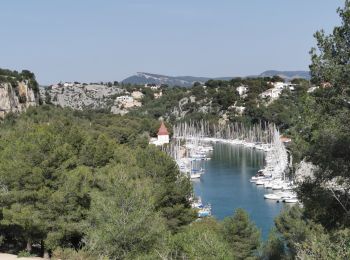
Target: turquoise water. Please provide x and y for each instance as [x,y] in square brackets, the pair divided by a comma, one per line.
[225,185]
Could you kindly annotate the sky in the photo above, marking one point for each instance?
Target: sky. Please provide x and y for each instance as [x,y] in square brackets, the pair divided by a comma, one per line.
[107,40]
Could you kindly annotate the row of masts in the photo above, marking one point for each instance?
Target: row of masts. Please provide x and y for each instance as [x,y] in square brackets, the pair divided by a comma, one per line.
[258,133]
[264,136]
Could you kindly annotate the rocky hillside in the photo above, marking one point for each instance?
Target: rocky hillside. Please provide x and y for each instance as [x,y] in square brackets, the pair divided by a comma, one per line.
[84,96]
[18,91]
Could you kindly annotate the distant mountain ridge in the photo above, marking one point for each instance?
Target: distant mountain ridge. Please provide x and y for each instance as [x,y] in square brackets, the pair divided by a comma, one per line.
[186,81]
[149,78]
[288,75]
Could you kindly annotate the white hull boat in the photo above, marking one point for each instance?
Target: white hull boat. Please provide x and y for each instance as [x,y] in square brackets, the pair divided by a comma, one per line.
[261,182]
[272,196]
[291,200]
[195,175]
[277,195]
[255,178]
[277,186]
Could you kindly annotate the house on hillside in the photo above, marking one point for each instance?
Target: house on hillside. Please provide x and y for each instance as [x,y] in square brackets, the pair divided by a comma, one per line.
[162,136]
[152,86]
[158,95]
[242,90]
[68,84]
[283,85]
[272,93]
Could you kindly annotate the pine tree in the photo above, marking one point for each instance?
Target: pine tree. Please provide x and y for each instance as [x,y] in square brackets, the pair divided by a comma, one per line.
[242,235]
[328,134]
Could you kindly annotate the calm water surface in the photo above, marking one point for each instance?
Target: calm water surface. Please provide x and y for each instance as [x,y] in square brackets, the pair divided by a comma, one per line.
[225,185]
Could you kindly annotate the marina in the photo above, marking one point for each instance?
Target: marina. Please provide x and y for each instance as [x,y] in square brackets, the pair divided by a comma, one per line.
[235,167]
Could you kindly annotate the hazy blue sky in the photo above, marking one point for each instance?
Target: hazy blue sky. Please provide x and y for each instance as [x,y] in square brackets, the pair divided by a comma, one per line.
[94,40]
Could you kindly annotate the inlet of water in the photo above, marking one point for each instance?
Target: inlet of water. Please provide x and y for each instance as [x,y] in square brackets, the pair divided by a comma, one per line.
[225,185]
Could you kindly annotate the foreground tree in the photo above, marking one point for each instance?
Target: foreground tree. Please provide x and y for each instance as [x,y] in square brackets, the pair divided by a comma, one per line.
[201,240]
[242,235]
[328,133]
[274,247]
[297,237]
[293,229]
[122,220]
[332,246]
[171,191]
[331,62]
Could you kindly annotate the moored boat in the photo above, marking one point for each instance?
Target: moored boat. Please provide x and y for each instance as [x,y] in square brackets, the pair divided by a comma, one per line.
[195,175]
[291,200]
[205,211]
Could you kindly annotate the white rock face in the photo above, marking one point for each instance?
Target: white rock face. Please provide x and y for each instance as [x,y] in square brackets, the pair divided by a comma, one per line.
[307,170]
[79,96]
[16,99]
[304,170]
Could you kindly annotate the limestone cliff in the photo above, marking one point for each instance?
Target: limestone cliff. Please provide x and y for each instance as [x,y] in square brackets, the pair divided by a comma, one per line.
[16,97]
[81,96]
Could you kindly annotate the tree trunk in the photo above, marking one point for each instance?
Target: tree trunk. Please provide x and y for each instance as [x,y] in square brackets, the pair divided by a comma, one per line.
[29,246]
[44,251]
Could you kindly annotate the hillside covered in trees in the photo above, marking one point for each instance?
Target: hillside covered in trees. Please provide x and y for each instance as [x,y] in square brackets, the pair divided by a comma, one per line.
[86,184]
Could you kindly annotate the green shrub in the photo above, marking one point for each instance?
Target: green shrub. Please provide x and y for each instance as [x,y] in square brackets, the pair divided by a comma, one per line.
[25,253]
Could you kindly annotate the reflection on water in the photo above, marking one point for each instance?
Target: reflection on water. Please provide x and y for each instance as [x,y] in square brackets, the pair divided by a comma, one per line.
[225,185]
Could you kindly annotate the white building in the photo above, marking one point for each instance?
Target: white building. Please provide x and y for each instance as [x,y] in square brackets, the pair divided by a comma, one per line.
[158,95]
[68,84]
[278,85]
[162,136]
[283,85]
[272,93]
[152,86]
[242,90]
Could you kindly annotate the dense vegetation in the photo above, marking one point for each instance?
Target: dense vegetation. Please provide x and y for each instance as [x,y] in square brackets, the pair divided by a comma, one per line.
[62,162]
[86,185]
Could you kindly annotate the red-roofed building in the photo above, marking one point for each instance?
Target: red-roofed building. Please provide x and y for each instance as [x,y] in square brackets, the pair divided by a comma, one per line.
[163,134]
[163,130]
